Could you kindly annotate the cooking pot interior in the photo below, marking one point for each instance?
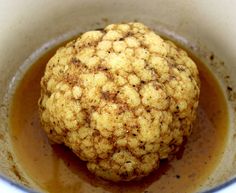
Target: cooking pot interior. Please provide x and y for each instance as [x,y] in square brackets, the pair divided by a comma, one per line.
[30,28]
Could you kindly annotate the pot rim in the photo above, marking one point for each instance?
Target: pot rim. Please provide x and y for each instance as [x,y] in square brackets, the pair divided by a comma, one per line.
[7,185]
[10,186]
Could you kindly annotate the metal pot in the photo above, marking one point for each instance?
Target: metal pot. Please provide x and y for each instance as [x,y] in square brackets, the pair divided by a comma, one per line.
[29,27]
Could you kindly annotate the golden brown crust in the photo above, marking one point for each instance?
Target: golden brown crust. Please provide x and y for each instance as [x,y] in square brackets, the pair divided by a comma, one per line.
[121,99]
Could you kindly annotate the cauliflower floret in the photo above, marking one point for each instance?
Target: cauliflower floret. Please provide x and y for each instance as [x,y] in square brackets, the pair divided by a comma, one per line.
[122,99]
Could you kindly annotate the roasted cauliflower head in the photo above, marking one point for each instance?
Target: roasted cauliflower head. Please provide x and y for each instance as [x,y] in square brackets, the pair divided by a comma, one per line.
[121,99]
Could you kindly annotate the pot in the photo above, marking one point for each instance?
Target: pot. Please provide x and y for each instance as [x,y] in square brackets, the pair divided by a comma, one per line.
[29,28]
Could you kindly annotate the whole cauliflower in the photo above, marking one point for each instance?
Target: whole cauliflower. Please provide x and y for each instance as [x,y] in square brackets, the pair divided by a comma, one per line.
[121,98]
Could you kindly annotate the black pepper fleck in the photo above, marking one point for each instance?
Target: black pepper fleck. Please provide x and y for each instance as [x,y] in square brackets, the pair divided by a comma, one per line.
[177,176]
[229,88]
[212,57]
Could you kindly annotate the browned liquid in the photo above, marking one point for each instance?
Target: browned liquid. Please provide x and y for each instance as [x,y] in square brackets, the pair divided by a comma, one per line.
[56,169]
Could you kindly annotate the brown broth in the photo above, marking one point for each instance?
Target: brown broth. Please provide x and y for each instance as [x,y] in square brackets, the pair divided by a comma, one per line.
[55,168]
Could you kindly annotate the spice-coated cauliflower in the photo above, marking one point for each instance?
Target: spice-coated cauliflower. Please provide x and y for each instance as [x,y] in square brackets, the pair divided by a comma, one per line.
[121,98]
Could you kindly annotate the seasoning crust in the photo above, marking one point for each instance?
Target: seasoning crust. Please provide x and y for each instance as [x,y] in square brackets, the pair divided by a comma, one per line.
[121,98]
